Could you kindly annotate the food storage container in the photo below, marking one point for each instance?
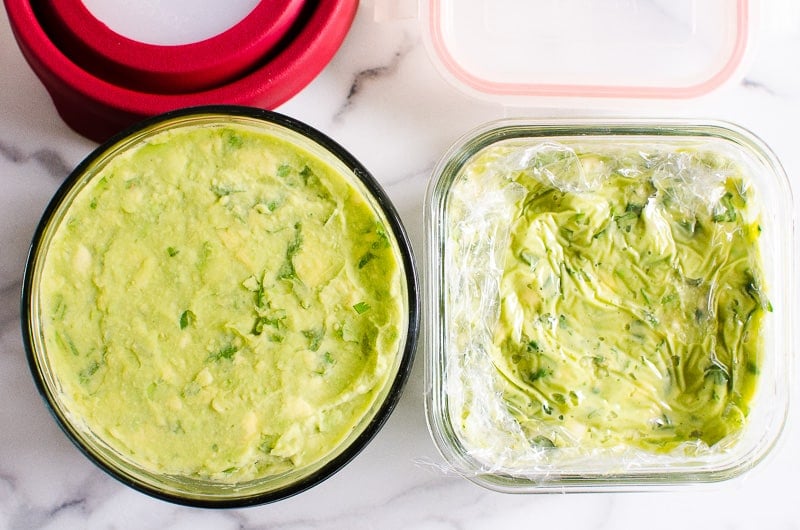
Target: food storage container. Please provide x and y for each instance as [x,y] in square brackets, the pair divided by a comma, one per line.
[610,304]
[102,82]
[575,52]
[220,307]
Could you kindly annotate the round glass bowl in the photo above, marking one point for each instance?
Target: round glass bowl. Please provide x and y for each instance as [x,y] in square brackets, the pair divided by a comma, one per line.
[603,318]
[220,307]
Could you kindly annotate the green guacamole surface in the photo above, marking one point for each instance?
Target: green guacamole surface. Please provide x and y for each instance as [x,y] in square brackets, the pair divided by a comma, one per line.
[622,287]
[218,302]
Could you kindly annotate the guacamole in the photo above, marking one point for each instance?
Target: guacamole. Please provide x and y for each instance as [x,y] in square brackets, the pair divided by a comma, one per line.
[218,302]
[605,297]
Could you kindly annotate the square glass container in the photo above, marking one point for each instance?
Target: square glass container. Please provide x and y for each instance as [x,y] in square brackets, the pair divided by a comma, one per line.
[470,207]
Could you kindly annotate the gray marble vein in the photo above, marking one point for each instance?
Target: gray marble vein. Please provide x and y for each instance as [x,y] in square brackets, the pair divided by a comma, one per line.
[754,84]
[368,75]
[49,159]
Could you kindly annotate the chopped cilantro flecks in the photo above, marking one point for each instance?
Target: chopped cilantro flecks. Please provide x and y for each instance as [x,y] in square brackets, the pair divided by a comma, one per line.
[261,300]
[361,307]
[88,372]
[234,140]
[267,443]
[306,173]
[366,258]
[65,340]
[383,237]
[752,286]
[725,212]
[187,319]
[223,190]
[275,321]
[719,373]
[314,337]
[287,270]
[538,374]
[226,352]
[543,441]
[258,326]
[326,363]
[284,170]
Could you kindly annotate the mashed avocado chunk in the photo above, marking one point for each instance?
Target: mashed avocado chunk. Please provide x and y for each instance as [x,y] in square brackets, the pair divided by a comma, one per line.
[220,303]
[623,295]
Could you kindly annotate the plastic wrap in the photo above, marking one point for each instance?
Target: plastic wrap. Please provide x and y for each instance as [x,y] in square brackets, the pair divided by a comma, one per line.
[604,305]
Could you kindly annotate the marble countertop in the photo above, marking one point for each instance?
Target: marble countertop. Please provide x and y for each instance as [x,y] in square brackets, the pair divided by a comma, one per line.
[384,101]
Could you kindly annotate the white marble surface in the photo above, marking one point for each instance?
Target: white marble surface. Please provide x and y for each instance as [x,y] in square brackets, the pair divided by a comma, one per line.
[381,98]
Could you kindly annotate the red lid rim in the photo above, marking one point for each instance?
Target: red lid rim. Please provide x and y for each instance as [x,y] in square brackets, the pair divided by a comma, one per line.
[161,68]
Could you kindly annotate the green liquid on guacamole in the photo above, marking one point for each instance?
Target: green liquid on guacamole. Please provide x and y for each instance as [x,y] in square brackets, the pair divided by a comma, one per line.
[220,303]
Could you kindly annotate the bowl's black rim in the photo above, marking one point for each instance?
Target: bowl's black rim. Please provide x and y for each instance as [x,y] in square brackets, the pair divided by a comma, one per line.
[412,286]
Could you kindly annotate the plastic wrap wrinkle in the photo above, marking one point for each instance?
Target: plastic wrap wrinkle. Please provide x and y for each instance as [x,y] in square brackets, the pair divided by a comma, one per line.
[512,266]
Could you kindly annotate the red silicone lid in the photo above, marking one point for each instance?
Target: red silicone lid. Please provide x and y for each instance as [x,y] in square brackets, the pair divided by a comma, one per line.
[98,108]
[167,69]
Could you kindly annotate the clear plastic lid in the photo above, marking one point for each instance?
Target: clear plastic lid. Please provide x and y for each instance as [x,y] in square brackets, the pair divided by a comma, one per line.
[513,50]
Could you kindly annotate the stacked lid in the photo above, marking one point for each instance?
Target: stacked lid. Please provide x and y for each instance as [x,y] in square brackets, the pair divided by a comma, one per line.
[102,81]
[519,52]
